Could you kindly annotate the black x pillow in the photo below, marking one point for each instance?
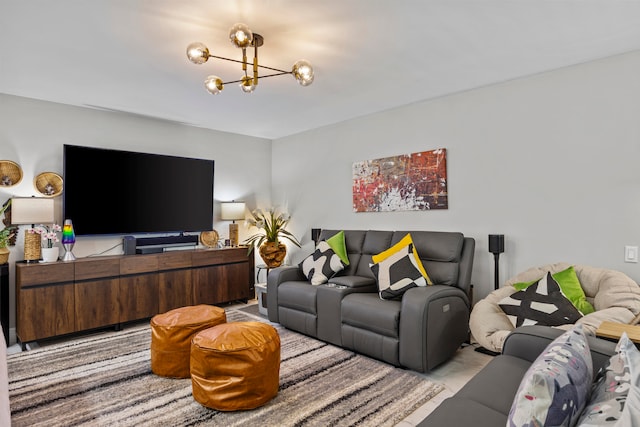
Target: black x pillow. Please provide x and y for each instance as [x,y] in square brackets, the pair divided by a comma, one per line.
[542,303]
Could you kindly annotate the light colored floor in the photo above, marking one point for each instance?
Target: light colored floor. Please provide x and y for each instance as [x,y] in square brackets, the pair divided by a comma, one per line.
[453,374]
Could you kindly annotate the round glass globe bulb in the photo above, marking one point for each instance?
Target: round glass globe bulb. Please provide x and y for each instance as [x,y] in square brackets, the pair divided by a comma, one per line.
[247,85]
[240,35]
[213,84]
[303,72]
[197,53]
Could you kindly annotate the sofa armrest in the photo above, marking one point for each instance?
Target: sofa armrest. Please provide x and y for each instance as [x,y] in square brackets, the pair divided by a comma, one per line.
[527,342]
[434,322]
[274,279]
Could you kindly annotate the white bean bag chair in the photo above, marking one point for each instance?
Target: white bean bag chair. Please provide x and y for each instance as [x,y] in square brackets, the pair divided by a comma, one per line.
[614,295]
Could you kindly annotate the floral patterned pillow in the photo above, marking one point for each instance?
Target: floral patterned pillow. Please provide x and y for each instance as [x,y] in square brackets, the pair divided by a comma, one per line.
[556,387]
[616,384]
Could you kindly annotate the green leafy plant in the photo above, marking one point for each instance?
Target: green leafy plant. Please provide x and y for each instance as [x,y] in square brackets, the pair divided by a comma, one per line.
[8,233]
[272,227]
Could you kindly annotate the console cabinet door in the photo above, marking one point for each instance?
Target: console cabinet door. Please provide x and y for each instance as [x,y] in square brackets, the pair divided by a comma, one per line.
[96,293]
[138,290]
[221,283]
[44,301]
[138,297]
[174,281]
[222,275]
[174,290]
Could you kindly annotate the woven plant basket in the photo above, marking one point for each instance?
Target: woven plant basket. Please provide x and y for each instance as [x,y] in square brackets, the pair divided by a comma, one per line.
[10,173]
[32,245]
[4,255]
[48,184]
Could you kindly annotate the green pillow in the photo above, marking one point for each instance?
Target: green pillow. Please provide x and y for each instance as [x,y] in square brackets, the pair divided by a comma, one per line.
[570,286]
[337,244]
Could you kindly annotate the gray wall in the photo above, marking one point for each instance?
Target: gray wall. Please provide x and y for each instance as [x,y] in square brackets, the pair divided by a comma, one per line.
[32,134]
[551,161]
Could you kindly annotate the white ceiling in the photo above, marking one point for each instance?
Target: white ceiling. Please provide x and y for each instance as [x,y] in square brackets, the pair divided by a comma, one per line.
[368,55]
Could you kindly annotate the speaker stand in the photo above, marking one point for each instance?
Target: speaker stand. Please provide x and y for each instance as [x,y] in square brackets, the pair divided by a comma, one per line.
[496,271]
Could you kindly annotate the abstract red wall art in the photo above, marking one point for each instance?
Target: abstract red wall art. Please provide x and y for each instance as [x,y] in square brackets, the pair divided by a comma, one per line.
[410,182]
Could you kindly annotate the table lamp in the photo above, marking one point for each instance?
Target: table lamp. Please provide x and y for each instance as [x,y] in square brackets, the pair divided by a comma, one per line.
[32,210]
[232,211]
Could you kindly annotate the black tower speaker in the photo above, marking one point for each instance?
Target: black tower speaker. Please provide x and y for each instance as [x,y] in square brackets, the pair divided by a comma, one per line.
[129,245]
[315,234]
[496,247]
[496,243]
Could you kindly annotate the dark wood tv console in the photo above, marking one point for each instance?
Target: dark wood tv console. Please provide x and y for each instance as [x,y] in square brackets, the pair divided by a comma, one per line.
[60,298]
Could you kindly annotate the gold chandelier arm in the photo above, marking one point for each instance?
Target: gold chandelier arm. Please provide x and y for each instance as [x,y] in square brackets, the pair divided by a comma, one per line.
[244,60]
[255,65]
[240,62]
[260,77]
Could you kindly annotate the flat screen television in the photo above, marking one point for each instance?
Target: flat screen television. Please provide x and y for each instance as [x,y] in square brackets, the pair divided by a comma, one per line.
[113,192]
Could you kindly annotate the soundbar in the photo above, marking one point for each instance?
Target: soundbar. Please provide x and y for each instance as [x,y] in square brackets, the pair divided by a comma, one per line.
[151,245]
[181,240]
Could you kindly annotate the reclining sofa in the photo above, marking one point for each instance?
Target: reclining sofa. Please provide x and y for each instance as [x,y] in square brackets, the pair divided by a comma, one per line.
[418,332]
[485,401]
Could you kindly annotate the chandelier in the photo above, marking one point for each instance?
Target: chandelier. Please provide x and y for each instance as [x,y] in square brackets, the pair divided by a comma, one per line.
[242,37]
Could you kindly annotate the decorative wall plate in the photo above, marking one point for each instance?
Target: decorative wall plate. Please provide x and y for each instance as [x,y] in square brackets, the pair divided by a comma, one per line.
[48,184]
[10,173]
[209,238]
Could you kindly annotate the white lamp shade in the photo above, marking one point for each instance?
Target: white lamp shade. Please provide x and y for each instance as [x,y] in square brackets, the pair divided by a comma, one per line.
[32,210]
[230,211]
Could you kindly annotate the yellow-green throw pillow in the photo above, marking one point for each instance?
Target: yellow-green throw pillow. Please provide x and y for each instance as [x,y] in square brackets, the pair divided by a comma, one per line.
[570,286]
[337,243]
[406,241]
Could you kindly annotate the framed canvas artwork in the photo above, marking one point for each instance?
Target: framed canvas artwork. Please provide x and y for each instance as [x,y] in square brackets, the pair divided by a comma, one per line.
[409,182]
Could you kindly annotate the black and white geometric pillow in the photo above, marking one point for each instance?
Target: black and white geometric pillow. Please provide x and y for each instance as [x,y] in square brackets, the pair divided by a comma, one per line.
[398,273]
[321,265]
[542,303]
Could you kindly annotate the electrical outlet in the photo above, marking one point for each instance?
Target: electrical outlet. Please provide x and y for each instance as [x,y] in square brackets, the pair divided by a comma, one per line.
[630,254]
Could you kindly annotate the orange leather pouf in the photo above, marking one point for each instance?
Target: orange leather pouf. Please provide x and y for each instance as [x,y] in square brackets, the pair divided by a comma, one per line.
[235,366]
[171,334]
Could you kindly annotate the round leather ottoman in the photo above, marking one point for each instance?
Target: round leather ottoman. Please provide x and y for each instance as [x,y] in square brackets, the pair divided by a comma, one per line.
[171,334]
[235,366]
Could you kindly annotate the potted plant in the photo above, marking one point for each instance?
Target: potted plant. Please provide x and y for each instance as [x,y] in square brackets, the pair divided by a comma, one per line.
[272,227]
[49,236]
[7,234]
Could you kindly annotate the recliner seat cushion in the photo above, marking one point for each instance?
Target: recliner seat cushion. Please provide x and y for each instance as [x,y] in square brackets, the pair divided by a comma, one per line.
[300,296]
[367,311]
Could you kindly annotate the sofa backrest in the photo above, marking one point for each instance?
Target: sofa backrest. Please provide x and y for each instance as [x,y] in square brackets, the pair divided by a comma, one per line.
[446,256]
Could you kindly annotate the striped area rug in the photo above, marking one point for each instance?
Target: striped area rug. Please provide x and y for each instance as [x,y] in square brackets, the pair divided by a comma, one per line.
[105,380]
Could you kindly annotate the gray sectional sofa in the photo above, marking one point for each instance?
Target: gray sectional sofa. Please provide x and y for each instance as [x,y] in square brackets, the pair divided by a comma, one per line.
[485,401]
[418,332]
